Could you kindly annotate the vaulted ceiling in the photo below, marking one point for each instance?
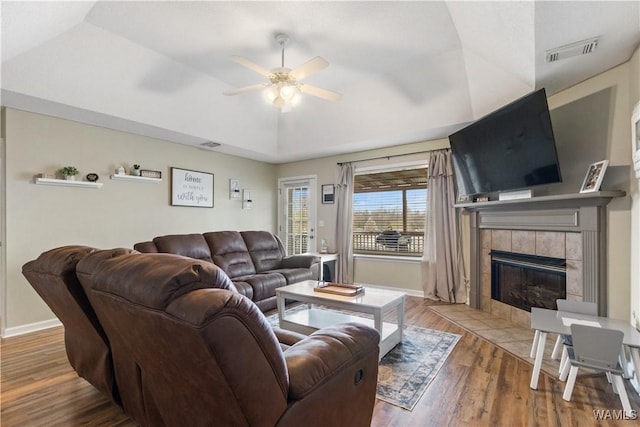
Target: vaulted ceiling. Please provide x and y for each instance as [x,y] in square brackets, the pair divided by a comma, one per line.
[408,71]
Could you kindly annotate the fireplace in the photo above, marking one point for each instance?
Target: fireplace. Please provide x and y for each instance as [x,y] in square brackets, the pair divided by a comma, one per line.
[524,281]
[569,226]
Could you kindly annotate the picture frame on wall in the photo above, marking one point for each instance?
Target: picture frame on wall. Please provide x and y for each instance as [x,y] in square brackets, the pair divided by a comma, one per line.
[328,193]
[594,176]
[191,188]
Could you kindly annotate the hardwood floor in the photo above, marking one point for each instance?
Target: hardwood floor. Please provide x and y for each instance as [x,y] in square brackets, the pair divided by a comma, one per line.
[479,385]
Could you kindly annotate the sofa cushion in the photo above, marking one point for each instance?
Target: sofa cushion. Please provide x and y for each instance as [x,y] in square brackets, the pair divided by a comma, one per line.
[244,288]
[267,304]
[229,251]
[189,245]
[264,285]
[294,275]
[265,248]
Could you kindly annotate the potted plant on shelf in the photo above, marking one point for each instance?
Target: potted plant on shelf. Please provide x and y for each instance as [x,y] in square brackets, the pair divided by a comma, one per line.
[69,172]
[136,170]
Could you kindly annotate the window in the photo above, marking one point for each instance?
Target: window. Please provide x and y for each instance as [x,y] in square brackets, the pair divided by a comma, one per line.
[297,220]
[296,217]
[389,211]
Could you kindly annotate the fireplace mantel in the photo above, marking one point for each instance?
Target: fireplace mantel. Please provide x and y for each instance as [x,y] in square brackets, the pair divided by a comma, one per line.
[558,200]
[583,213]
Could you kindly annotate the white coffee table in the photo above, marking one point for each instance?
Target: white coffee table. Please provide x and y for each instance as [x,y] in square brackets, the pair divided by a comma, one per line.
[376,302]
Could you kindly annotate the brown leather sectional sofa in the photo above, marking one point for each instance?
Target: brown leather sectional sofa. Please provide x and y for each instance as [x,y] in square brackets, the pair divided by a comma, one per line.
[171,340]
[254,260]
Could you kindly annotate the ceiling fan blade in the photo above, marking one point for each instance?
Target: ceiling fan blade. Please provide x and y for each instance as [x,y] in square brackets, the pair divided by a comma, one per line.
[329,95]
[251,65]
[310,67]
[246,89]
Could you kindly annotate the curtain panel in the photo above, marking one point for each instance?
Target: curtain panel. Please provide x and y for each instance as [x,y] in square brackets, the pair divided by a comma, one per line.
[344,223]
[443,276]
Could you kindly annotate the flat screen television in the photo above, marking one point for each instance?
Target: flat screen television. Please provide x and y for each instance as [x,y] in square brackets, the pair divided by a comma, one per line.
[511,149]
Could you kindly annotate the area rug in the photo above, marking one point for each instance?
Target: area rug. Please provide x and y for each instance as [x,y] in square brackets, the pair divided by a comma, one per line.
[407,370]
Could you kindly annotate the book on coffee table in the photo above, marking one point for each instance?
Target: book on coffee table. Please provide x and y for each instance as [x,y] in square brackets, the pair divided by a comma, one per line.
[340,289]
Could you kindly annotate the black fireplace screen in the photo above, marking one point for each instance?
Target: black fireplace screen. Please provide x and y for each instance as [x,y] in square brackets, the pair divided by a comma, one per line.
[526,281]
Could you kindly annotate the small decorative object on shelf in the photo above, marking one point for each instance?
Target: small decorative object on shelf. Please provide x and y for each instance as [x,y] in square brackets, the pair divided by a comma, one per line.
[150,174]
[594,176]
[135,171]
[92,177]
[120,170]
[69,172]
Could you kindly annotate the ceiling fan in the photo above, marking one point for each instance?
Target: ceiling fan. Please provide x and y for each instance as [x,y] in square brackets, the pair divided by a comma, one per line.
[284,87]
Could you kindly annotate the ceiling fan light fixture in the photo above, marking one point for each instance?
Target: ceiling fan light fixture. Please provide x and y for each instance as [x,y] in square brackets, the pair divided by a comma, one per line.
[284,89]
[271,93]
[296,98]
[287,91]
[279,102]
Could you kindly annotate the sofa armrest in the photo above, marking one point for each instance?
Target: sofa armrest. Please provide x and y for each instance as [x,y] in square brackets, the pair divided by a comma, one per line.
[299,261]
[327,353]
[146,247]
[288,338]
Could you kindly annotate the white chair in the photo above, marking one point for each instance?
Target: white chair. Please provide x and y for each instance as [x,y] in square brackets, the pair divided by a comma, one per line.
[596,348]
[564,341]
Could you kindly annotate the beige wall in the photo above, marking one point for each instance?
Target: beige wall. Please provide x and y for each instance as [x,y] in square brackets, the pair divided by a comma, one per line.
[634,95]
[120,213]
[618,153]
[400,274]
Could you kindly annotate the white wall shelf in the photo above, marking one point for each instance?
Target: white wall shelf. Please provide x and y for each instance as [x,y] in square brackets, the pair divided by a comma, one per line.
[136,178]
[67,183]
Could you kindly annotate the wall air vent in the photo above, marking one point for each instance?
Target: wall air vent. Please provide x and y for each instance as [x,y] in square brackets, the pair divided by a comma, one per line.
[210,144]
[574,49]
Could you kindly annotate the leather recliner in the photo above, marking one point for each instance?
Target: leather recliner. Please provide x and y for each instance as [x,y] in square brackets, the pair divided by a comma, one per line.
[53,276]
[207,356]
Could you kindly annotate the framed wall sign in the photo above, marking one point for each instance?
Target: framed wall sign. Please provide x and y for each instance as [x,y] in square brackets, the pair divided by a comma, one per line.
[594,176]
[328,194]
[191,188]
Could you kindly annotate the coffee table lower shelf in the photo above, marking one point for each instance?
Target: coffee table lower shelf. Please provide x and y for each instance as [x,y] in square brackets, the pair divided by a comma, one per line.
[306,321]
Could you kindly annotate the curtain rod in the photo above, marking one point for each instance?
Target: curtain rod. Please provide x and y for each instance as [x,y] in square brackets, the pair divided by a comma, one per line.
[387,157]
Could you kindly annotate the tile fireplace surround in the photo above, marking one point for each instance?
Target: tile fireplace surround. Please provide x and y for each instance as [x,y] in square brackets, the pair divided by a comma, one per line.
[571,226]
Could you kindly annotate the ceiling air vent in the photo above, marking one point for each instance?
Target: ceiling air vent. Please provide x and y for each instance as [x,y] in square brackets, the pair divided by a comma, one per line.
[210,144]
[574,49]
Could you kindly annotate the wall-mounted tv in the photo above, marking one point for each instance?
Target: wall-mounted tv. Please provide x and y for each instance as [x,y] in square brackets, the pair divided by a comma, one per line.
[510,149]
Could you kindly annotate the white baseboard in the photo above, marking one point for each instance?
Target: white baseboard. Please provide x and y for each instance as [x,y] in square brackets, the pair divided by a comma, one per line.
[31,327]
[412,292]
